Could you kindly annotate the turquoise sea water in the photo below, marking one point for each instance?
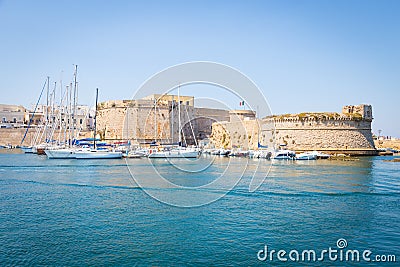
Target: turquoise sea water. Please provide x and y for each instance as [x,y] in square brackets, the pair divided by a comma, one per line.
[92,212]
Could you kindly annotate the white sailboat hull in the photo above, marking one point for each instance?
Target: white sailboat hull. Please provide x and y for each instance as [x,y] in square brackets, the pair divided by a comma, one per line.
[96,154]
[64,153]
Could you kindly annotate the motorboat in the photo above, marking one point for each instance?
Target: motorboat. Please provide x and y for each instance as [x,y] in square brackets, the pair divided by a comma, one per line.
[284,154]
[176,153]
[306,156]
[320,155]
[138,153]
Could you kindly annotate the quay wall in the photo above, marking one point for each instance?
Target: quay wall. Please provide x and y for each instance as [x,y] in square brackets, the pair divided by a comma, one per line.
[14,136]
[387,143]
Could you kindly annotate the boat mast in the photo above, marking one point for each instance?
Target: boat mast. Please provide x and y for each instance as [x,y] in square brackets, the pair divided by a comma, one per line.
[155,119]
[172,118]
[75,102]
[179,118]
[47,110]
[69,89]
[95,119]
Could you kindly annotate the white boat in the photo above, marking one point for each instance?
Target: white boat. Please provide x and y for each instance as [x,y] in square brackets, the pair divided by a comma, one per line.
[97,154]
[61,153]
[284,154]
[176,153]
[132,155]
[138,153]
[306,156]
[27,149]
[86,153]
[321,155]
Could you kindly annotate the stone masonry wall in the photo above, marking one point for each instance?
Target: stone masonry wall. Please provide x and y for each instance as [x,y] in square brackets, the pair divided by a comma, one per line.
[300,135]
[14,136]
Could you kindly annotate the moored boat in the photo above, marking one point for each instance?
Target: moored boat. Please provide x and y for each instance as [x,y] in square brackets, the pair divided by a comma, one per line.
[62,153]
[284,154]
[27,149]
[306,156]
[321,155]
[97,154]
[176,153]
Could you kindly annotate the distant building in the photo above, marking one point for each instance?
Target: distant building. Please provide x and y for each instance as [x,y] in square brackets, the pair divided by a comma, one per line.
[13,116]
[82,116]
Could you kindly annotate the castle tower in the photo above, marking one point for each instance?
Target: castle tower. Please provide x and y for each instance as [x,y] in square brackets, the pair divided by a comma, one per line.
[364,110]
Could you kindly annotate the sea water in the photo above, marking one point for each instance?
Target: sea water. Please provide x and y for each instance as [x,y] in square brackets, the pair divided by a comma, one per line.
[94,213]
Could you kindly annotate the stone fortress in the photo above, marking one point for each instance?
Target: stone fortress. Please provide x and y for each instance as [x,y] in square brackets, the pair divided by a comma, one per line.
[348,132]
[155,118]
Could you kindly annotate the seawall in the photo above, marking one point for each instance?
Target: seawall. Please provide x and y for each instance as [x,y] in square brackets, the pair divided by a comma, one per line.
[14,136]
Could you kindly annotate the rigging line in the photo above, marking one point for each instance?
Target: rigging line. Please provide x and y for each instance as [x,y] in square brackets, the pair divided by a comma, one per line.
[191,127]
[34,111]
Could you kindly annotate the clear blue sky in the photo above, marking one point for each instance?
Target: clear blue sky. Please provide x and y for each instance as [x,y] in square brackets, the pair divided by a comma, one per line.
[304,55]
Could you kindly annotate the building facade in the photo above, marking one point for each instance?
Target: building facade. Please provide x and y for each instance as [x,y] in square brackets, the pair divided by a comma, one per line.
[13,116]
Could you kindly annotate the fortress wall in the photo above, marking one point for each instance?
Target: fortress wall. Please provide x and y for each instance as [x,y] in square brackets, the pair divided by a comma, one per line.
[140,122]
[352,136]
[136,120]
[322,124]
[318,139]
[241,134]
[109,122]
[325,134]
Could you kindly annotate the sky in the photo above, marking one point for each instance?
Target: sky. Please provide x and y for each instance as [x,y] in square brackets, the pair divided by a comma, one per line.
[303,55]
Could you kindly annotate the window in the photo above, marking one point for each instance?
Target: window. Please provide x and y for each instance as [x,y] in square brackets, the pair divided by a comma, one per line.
[80,121]
[4,120]
[187,103]
[14,120]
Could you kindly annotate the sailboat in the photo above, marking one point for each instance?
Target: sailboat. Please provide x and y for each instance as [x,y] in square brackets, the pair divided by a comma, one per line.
[32,148]
[87,153]
[177,151]
[66,150]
